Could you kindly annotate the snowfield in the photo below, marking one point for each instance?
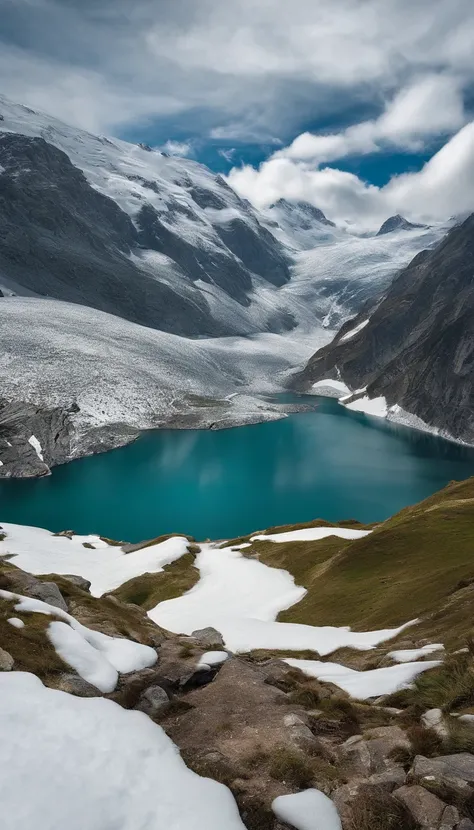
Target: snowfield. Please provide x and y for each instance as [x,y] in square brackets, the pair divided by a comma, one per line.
[242,598]
[88,763]
[106,566]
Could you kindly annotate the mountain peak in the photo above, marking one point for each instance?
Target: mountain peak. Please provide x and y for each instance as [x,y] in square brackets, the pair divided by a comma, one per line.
[397,223]
[304,209]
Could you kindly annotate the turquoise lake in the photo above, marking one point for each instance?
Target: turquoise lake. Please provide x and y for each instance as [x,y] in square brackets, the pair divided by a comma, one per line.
[328,463]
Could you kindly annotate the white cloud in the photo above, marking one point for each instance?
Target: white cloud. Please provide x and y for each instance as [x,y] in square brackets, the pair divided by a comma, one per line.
[442,188]
[432,105]
[106,63]
[177,148]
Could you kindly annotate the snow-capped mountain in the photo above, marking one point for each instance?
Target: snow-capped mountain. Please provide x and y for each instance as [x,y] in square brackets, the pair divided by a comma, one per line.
[397,223]
[129,230]
[299,225]
[165,242]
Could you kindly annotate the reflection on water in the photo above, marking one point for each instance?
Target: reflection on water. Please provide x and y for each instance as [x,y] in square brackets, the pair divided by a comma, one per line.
[328,463]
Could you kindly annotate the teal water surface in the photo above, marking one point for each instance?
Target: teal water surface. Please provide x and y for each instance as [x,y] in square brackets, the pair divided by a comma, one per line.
[328,463]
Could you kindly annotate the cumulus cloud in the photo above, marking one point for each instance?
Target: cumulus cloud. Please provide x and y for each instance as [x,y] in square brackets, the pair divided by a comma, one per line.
[431,105]
[442,188]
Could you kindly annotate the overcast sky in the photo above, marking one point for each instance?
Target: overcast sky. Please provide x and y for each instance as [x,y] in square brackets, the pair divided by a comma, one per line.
[363,107]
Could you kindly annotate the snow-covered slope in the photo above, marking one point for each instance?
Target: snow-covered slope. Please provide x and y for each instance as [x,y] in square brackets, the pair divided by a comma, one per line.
[165,242]
[299,225]
[140,224]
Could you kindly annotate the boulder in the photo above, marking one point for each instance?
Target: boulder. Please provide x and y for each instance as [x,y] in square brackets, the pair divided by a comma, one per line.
[388,780]
[355,752]
[75,685]
[449,776]
[465,824]
[425,807]
[450,818]
[78,581]
[6,660]
[370,753]
[382,741]
[208,636]
[153,701]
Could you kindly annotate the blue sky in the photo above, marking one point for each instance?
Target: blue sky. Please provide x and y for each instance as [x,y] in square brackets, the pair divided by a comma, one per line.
[341,102]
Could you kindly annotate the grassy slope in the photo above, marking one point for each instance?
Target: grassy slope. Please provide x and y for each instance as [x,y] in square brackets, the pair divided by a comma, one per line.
[410,566]
[148,589]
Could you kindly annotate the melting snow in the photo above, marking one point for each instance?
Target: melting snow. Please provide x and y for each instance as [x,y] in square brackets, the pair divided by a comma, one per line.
[353,332]
[16,622]
[307,810]
[242,597]
[89,763]
[406,655]
[36,446]
[107,567]
[364,684]
[312,534]
[371,406]
[97,657]
[212,658]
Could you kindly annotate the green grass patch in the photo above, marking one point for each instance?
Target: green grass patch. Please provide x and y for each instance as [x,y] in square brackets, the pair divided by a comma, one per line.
[149,589]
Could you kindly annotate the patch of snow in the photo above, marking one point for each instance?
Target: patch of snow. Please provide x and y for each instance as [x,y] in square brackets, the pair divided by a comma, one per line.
[97,657]
[89,763]
[307,810]
[363,685]
[88,662]
[106,567]
[242,597]
[1,463]
[16,622]
[212,658]
[406,655]
[312,534]
[330,388]
[353,332]
[370,406]
[36,446]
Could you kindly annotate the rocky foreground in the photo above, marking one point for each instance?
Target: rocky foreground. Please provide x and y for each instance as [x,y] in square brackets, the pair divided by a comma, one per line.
[258,722]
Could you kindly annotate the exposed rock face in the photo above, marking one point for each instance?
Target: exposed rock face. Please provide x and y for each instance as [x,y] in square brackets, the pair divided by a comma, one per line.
[75,243]
[417,350]
[397,223]
[28,432]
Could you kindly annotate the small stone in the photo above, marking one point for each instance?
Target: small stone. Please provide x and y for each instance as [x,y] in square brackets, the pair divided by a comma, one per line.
[78,581]
[153,701]
[6,660]
[433,719]
[425,807]
[389,779]
[355,751]
[75,685]
[208,636]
